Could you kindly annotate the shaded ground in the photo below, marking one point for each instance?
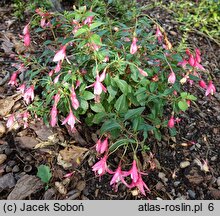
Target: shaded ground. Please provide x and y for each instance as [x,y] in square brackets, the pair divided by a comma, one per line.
[180,173]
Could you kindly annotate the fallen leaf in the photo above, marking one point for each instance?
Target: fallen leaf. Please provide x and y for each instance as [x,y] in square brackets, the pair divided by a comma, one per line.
[26,142]
[60,187]
[51,141]
[73,154]
[7,103]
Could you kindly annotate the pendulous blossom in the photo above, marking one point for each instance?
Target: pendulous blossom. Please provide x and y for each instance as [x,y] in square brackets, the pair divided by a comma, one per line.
[22,88]
[60,55]
[70,120]
[53,116]
[102,147]
[13,79]
[29,94]
[27,37]
[159,35]
[142,72]
[134,48]
[74,100]
[100,168]
[210,89]
[10,121]
[202,84]
[171,122]
[118,177]
[172,78]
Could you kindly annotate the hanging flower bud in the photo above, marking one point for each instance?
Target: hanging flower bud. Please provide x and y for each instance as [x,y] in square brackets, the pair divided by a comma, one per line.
[134,48]
[171,122]
[60,55]
[210,89]
[172,78]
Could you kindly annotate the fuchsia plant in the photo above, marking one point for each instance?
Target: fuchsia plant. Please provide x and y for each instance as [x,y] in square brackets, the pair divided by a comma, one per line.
[124,81]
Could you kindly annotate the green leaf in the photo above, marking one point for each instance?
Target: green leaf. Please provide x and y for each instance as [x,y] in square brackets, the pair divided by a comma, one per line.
[81,31]
[122,85]
[44,173]
[109,125]
[120,143]
[87,95]
[84,106]
[97,108]
[96,39]
[99,117]
[183,105]
[134,112]
[121,104]
[191,97]
[172,132]
[153,86]
[95,25]
[112,93]
[195,78]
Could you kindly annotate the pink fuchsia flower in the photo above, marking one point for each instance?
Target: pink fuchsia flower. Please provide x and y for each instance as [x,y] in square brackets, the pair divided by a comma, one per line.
[142,72]
[29,94]
[56,79]
[88,20]
[27,37]
[134,48]
[119,177]
[202,84]
[25,115]
[134,172]
[140,185]
[171,122]
[10,121]
[44,17]
[172,78]
[70,120]
[13,79]
[53,116]
[100,168]
[183,63]
[210,89]
[22,88]
[60,55]
[74,100]
[56,99]
[159,35]
[58,67]
[197,57]
[102,147]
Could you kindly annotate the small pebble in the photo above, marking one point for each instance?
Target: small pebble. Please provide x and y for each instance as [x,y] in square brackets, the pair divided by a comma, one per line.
[15,169]
[28,158]
[192,194]
[173,33]
[3,157]
[11,163]
[184,164]
[8,151]
[214,158]
[176,183]
[8,169]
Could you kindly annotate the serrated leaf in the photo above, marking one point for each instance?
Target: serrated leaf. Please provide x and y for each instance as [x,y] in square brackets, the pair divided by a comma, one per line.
[134,112]
[109,126]
[44,173]
[183,105]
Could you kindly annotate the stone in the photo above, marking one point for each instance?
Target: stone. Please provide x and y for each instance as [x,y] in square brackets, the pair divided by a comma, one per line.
[7,182]
[73,194]
[215,193]
[184,164]
[194,176]
[15,169]
[81,185]
[192,194]
[3,158]
[49,194]
[176,183]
